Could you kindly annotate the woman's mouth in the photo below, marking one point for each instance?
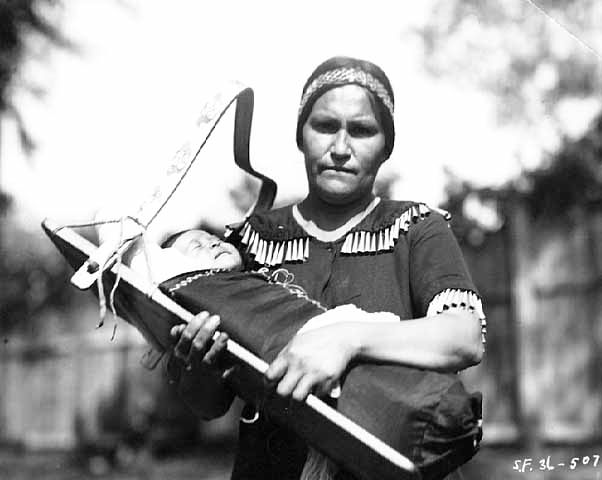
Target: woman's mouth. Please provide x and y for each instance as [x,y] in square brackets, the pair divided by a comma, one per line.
[338,169]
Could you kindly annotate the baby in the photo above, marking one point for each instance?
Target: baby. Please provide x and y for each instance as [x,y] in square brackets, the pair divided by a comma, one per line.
[184,252]
[203,273]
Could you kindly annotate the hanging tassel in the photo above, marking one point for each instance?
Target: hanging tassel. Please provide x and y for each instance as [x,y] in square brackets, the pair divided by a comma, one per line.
[354,242]
[362,242]
[395,228]
[263,248]
[289,248]
[258,255]
[270,253]
[406,221]
[246,234]
[102,301]
[253,243]
[347,245]
[277,248]
[387,240]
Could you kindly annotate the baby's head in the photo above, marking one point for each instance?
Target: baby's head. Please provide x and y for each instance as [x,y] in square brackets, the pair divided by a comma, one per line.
[207,250]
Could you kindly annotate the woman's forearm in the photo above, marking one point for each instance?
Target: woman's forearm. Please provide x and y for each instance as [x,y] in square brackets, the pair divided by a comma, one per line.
[449,341]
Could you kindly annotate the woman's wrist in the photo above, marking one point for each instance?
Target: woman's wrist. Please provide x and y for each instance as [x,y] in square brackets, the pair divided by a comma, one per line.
[362,329]
[355,336]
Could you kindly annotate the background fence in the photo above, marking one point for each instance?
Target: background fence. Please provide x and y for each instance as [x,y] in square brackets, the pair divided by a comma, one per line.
[541,283]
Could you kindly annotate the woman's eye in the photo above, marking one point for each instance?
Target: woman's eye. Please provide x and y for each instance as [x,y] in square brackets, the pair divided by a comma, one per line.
[325,126]
[362,130]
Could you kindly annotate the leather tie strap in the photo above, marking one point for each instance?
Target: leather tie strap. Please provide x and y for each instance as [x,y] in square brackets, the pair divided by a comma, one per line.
[242,131]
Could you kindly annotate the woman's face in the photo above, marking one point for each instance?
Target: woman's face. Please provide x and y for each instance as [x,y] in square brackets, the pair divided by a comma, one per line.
[343,144]
[207,250]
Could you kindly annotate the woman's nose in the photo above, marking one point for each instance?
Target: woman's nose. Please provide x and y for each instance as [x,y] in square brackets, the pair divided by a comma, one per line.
[340,146]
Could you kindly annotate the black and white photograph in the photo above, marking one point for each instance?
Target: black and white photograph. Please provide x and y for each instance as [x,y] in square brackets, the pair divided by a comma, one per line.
[318,240]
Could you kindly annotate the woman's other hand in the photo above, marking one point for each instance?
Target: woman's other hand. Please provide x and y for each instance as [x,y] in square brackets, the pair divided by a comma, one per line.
[201,384]
[194,344]
[313,362]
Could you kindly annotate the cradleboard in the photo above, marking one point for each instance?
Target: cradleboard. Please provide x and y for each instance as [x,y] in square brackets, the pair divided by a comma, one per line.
[427,415]
[139,302]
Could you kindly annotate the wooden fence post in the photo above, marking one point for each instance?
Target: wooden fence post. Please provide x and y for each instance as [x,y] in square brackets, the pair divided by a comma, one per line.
[524,305]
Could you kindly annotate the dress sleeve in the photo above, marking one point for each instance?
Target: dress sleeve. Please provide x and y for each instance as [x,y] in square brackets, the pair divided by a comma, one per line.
[436,265]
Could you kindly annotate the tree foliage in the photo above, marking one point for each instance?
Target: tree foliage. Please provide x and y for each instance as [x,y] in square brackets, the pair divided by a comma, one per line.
[20,22]
[31,279]
[530,58]
[569,179]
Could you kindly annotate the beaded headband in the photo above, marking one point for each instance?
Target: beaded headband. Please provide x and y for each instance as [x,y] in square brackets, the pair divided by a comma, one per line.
[343,76]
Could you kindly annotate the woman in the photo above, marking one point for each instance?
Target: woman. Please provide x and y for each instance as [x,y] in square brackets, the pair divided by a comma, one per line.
[344,246]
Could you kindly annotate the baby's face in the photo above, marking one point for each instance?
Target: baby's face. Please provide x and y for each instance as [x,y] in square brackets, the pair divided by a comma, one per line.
[207,250]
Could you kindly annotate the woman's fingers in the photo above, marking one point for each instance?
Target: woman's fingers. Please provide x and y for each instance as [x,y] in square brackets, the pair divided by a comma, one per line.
[298,377]
[277,369]
[304,386]
[289,382]
[213,356]
[184,342]
[196,337]
[326,387]
[203,340]
[176,332]
[293,379]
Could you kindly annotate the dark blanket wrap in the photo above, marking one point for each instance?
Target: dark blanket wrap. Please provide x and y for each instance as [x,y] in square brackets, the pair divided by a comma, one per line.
[425,415]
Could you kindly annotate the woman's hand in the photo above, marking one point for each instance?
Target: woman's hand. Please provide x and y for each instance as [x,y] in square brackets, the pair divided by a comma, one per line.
[202,386]
[194,344]
[313,361]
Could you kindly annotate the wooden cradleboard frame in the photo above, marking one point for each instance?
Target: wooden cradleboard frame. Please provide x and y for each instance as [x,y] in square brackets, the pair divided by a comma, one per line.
[143,305]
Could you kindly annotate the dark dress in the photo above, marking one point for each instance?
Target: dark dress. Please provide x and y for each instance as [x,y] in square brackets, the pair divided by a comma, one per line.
[398,259]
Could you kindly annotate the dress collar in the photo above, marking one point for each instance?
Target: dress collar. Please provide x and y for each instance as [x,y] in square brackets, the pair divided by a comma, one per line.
[332,235]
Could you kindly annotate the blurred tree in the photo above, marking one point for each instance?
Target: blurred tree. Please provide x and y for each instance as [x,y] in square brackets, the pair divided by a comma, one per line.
[568,179]
[541,61]
[21,23]
[28,279]
[571,178]
[531,55]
